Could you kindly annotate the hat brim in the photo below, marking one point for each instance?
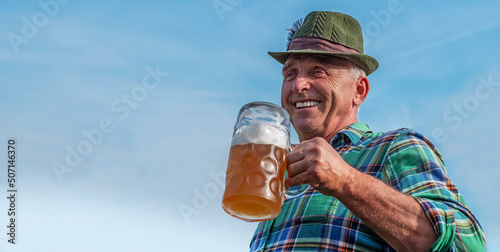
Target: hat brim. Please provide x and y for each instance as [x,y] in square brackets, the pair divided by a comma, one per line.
[363,61]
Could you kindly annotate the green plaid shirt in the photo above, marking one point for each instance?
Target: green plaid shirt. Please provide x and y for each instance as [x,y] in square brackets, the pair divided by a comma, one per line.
[404,160]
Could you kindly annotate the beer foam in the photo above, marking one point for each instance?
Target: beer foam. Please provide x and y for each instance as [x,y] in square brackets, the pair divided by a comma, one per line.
[261,132]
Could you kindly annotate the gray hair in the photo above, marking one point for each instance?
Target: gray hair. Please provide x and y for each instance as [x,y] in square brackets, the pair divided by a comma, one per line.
[356,72]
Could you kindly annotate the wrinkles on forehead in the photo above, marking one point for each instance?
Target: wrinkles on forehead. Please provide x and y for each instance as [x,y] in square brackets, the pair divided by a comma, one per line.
[331,61]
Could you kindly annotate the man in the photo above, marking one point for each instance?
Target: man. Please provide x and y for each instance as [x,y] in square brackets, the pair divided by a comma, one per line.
[369,191]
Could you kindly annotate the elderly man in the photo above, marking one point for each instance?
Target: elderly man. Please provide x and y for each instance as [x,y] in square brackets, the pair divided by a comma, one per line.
[369,191]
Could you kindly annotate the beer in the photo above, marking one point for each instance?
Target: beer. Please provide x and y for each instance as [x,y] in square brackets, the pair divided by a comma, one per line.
[254,181]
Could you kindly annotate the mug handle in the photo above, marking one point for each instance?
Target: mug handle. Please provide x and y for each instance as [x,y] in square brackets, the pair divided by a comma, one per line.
[294,191]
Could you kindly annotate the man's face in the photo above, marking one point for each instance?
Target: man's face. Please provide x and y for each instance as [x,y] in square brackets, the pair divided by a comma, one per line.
[318,94]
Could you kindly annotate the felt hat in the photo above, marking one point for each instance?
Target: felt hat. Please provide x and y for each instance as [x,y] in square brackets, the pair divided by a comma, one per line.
[328,33]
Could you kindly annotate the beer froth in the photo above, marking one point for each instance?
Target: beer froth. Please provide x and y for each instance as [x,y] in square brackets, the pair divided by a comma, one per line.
[261,132]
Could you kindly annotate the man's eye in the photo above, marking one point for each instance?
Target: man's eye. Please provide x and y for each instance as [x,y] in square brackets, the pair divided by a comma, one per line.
[289,76]
[319,72]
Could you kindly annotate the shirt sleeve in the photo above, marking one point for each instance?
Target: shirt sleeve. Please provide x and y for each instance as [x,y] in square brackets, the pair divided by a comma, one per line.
[416,168]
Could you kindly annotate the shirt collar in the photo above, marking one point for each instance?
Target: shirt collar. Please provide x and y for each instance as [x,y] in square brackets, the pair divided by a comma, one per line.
[351,133]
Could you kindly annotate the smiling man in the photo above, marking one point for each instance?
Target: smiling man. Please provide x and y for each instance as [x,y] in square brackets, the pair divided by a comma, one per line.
[369,191]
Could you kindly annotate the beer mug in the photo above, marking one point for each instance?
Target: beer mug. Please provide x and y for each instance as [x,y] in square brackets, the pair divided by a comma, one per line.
[257,164]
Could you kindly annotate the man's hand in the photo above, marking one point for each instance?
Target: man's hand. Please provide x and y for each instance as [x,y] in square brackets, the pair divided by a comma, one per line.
[316,163]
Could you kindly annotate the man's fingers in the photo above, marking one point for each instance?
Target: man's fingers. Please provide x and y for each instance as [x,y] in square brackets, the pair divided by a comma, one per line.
[296,163]
[295,180]
[294,156]
[295,168]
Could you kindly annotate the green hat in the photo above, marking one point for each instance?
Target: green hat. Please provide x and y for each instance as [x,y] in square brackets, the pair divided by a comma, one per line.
[329,33]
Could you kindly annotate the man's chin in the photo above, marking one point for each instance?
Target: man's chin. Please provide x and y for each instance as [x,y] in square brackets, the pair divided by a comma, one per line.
[304,126]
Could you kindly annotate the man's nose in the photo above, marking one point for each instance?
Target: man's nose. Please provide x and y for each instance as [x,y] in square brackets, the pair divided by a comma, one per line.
[301,84]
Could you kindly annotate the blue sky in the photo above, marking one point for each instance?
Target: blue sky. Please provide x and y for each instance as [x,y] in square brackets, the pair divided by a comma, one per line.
[123,110]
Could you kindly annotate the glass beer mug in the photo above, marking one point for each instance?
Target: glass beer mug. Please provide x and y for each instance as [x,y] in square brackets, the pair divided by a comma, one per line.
[257,165]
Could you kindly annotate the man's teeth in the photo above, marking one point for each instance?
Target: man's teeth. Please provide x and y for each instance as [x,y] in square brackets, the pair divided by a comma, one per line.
[306,104]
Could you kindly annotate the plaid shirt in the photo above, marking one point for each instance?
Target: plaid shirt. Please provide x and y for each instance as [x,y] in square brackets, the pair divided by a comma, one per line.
[404,160]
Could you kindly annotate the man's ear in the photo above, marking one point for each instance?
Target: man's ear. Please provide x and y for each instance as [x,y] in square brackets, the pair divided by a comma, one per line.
[362,88]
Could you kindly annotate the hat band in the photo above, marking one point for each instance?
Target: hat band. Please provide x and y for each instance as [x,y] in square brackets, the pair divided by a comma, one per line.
[320,45]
